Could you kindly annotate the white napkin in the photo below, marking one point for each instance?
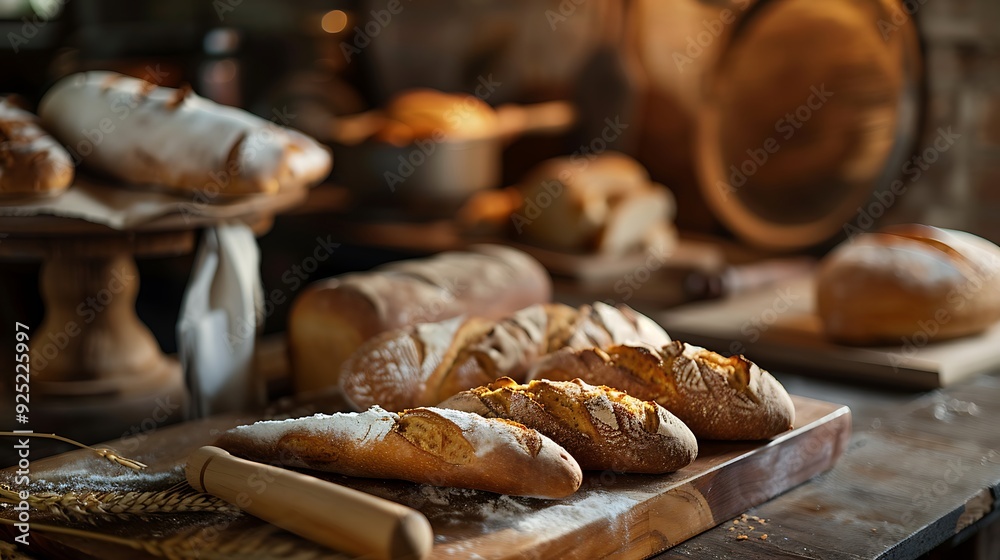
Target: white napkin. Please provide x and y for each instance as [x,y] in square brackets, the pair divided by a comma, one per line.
[217,326]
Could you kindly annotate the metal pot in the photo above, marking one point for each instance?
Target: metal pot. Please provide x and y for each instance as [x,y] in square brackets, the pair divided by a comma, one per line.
[436,174]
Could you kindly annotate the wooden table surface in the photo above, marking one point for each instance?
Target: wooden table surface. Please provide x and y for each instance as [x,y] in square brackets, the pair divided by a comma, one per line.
[922,471]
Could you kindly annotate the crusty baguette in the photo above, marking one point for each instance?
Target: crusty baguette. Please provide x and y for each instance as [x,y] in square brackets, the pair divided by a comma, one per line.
[427,363]
[143,134]
[717,397]
[909,284]
[425,445]
[602,428]
[331,318]
[31,161]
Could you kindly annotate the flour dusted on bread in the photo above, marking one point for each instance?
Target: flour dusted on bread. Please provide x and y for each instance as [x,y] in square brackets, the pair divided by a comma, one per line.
[909,281]
[359,427]
[425,445]
[145,134]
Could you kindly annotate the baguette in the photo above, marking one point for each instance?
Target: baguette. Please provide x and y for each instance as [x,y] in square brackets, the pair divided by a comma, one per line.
[602,428]
[717,397]
[424,445]
[427,363]
[333,317]
[909,282]
[31,161]
[143,134]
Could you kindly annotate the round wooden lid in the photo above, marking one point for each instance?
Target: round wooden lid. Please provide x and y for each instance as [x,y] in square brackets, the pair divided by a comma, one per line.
[808,109]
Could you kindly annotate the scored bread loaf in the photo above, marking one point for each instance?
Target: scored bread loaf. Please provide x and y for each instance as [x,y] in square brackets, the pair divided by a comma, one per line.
[31,161]
[331,318]
[717,397]
[424,445]
[144,134]
[602,428]
[908,282]
[424,364]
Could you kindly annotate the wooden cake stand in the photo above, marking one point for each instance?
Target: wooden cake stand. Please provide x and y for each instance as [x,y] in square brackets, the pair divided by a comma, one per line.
[97,372]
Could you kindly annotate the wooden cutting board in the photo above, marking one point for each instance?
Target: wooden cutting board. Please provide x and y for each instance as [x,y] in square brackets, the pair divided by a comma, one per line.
[778,327]
[628,516]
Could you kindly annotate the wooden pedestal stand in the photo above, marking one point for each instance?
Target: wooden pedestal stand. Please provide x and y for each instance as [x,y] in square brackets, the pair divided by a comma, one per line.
[97,373]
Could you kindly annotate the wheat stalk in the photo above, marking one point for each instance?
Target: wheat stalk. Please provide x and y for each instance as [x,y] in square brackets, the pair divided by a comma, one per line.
[266,542]
[108,454]
[92,506]
[9,551]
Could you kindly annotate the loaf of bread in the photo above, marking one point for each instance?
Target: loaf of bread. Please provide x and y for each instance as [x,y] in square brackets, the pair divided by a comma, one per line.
[143,134]
[332,318]
[605,205]
[717,397]
[427,113]
[602,428]
[31,161]
[424,364]
[909,284]
[425,445]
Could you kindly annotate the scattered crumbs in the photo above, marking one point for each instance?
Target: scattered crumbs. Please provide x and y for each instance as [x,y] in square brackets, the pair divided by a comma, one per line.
[736,521]
[750,527]
[763,537]
[743,517]
[742,537]
[874,530]
[732,528]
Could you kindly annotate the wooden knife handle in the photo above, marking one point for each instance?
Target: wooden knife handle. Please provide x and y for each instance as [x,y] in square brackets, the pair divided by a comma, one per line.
[341,518]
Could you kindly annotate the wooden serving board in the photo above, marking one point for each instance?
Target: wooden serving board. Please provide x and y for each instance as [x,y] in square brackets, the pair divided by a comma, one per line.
[778,327]
[627,516]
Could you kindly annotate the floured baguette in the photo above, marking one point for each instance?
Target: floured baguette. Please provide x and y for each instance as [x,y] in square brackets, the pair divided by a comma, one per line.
[717,397]
[602,428]
[424,364]
[31,161]
[425,445]
[144,134]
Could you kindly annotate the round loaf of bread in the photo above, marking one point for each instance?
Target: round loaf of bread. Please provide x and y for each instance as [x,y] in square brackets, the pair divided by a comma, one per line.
[909,283]
[601,427]
[424,445]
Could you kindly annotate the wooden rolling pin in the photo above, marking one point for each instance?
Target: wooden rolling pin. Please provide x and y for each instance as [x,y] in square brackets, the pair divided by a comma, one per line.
[341,518]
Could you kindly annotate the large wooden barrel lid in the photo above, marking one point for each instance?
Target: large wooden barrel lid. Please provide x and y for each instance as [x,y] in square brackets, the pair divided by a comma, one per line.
[808,109]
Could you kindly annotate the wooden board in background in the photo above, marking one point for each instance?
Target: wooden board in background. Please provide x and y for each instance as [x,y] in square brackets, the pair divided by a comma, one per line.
[778,329]
[628,516]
